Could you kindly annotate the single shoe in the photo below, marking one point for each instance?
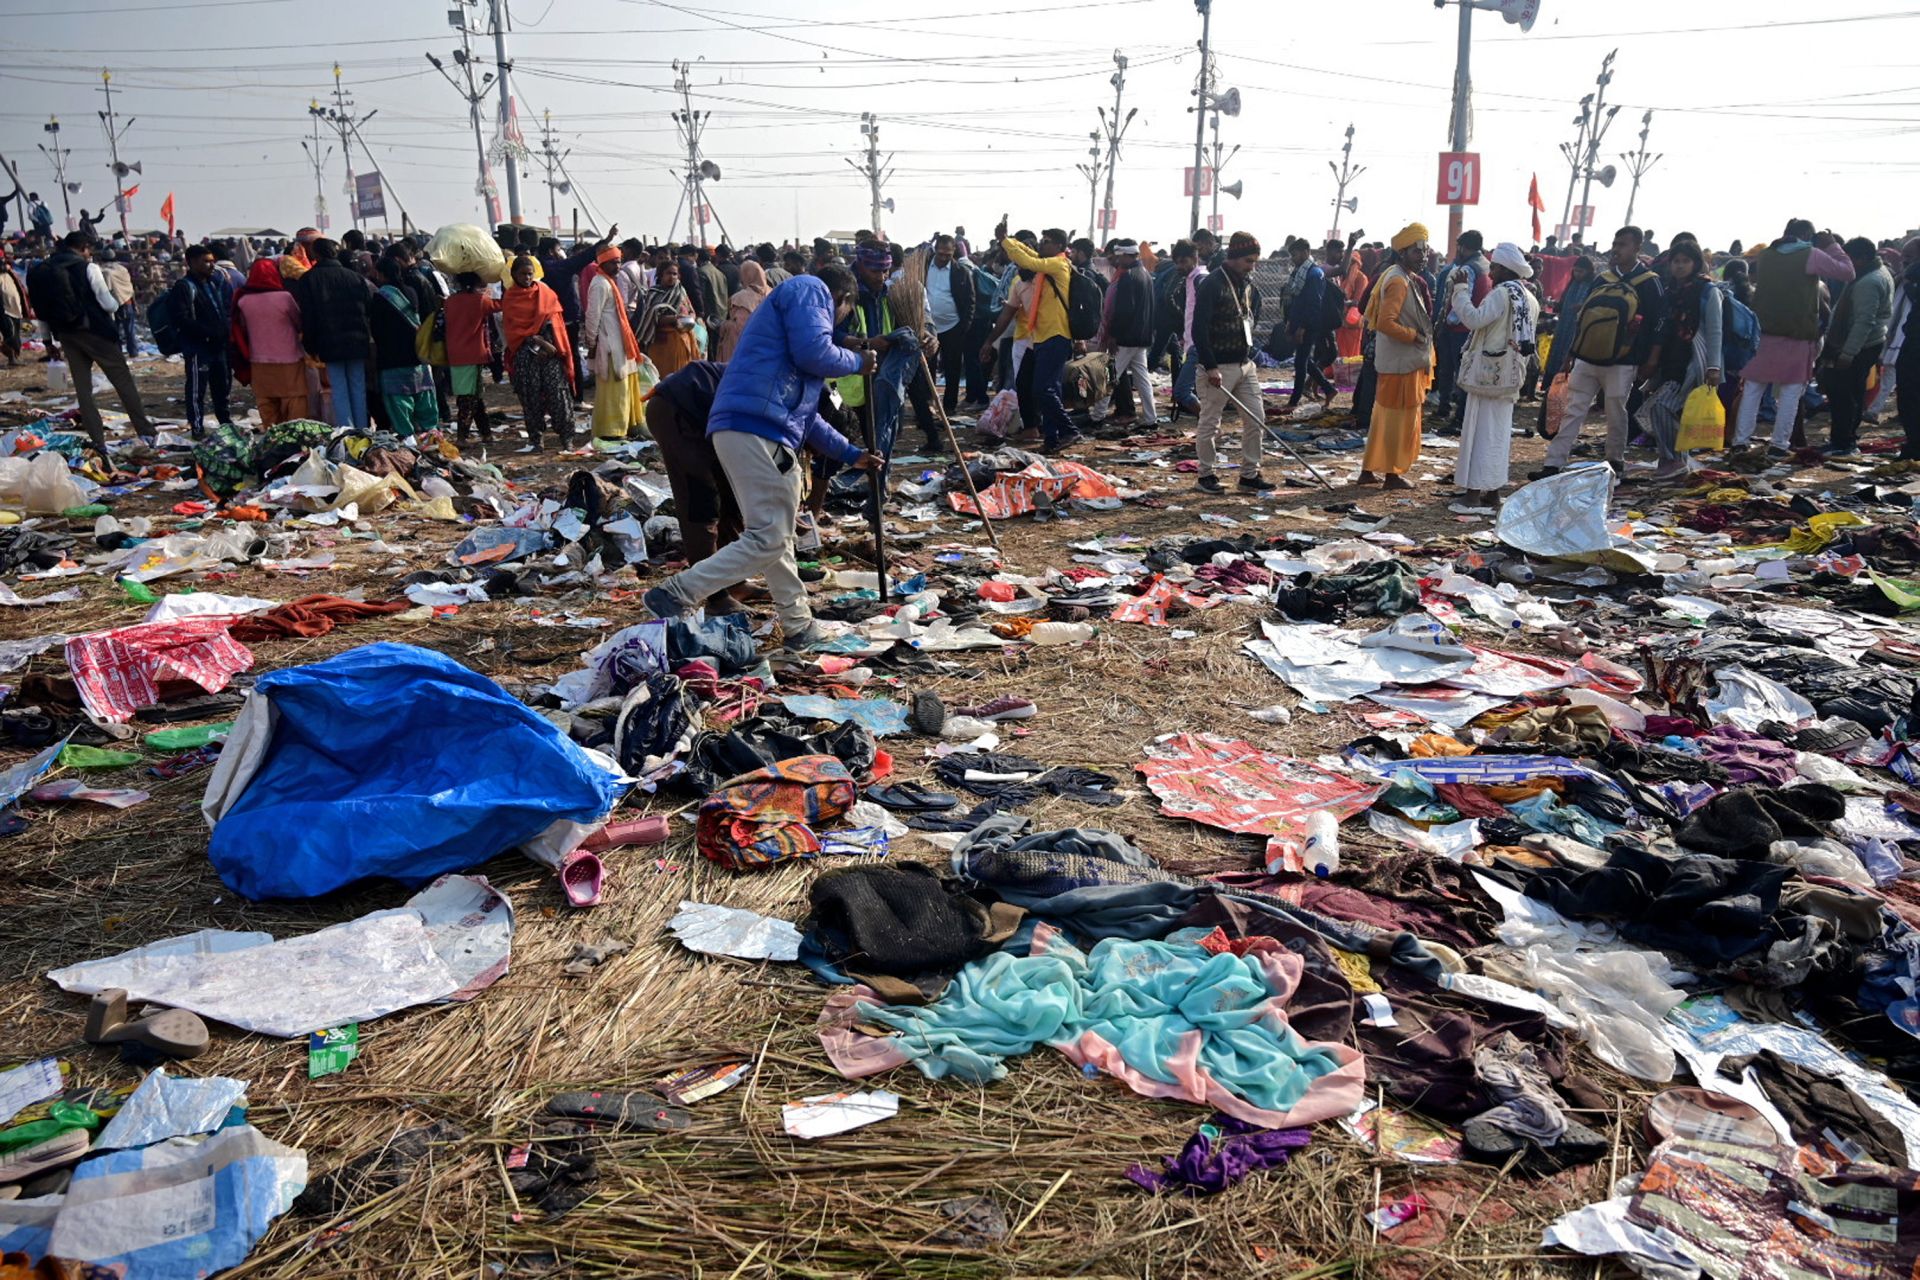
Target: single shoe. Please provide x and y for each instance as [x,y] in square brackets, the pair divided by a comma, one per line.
[1777,454]
[928,714]
[171,1033]
[1678,469]
[1211,484]
[36,1158]
[805,638]
[1841,451]
[1258,484]
[662,603]
[1543,473]
[1005,707]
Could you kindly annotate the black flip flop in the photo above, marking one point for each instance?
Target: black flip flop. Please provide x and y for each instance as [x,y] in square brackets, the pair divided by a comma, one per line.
[911,797]
[622,1110]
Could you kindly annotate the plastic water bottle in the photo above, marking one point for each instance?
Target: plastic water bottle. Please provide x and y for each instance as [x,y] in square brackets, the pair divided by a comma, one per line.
[1322,849]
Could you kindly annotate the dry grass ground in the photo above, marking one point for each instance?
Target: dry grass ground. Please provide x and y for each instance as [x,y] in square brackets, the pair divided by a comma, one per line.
[733,1196]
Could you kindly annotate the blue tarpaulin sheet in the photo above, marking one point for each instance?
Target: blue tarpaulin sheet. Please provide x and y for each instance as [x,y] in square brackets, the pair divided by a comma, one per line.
[395,761]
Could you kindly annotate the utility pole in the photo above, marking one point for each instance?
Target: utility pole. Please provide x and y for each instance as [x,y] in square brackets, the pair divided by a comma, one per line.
[58,155]
[700,171]
[513,150]
[1116,128]
[553,161]
[386,183]
[1639,162]
[1522,12]
[340,118]
[1344,173]
[474,92]
[872,169]
[1462,112]
[1091,171]
[115,132]
[1202,93]
[318,158]
[1602,120]
[1575,152]
[1219,163]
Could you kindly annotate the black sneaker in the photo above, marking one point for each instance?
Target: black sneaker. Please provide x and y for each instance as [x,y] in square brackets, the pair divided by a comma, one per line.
[1211,484]
[1543,473]
[1258,484]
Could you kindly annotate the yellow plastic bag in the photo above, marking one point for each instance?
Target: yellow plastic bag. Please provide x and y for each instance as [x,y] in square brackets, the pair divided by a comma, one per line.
[1703,420]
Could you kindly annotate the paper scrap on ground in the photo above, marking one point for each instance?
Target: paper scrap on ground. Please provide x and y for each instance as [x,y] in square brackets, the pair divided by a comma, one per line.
[430,950]
[167,1107]
[27,1084]
[730,931]
[831,1113]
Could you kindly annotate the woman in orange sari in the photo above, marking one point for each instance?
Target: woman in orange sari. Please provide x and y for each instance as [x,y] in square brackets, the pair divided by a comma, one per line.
[1353,284]
[539,358]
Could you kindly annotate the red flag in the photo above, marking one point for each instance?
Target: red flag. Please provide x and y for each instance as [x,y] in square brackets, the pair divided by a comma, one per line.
[1539,206]
[130,192]
[166,211]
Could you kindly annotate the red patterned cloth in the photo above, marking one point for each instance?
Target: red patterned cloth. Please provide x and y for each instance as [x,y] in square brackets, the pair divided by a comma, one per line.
[1013,493]
[119,672]
[766,817]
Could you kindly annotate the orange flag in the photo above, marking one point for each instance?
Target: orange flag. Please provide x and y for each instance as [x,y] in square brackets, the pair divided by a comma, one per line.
[166,211]
[1539,206]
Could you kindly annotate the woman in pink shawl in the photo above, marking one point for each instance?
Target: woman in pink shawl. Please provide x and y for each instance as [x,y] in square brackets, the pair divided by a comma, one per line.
[752,292]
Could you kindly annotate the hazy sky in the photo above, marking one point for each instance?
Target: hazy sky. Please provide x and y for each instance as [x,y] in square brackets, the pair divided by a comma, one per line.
[1764,109]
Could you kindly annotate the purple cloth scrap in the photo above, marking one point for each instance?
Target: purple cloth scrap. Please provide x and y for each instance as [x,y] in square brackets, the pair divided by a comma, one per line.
[1207,1166]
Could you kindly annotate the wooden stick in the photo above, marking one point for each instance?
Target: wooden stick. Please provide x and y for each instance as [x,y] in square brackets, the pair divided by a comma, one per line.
[940,411]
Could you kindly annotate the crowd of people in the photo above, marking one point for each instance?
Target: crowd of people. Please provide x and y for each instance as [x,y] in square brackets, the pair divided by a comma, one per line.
[775,343]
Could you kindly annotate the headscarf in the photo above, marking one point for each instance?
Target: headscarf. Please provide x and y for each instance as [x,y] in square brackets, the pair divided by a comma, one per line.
[653,303]
[263,277]
[627,341]
[525,312]
[753,286]
[1411,234]
[1508,255]
[874,257]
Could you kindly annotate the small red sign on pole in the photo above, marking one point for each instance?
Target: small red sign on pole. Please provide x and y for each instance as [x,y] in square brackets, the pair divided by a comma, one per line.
[1459,177]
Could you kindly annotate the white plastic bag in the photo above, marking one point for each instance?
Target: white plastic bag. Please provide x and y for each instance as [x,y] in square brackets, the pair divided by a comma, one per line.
[459,247]
[49,488]
[1562,515]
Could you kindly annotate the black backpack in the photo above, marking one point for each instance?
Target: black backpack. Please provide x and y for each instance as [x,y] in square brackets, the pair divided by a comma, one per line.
[1083,305]
[56,295]
[1333,305]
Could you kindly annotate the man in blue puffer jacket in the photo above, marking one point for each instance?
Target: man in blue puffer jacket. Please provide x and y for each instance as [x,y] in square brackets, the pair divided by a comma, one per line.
[764,413]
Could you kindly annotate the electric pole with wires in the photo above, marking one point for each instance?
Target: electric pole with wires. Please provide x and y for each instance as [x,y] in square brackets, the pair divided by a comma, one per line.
[57,155]
[509,148]
[1116,129]
[1091,171]
[1639,162]
[115,132]
[700,170]
[876,171]
[1344,173]
[474,92]
[554,160]
[340,118]
[318,158]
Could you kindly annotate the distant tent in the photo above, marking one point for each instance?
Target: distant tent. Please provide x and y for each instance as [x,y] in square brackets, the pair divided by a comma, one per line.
[273,233]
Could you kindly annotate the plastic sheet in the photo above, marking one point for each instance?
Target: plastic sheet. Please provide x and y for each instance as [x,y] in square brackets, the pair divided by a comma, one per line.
[1749,699]
[178,1210]
[388,760]
[164,1107]
[730,931]
[1562,515]
[436,948]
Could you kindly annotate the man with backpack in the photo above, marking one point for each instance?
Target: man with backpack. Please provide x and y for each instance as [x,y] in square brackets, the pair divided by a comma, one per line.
[1612,337]
[1314,311]
[1053,327]
[199,310]
[71,296]
[1786,298]
[334,302]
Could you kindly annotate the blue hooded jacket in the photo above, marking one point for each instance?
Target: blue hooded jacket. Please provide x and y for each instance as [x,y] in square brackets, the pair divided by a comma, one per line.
[772,385]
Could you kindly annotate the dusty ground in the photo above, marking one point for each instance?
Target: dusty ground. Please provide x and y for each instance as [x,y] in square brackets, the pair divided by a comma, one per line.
[734,1197]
